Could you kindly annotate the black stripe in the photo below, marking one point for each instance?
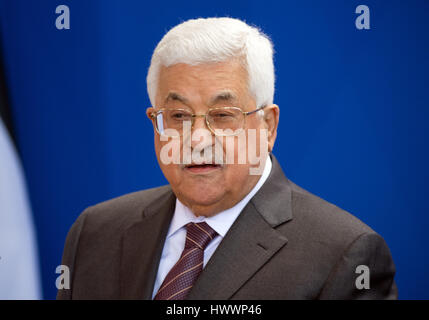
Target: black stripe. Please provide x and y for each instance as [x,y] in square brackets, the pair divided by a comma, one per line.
[5,111]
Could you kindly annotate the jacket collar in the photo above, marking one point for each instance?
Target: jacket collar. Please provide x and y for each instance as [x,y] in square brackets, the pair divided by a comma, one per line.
[274,199]
[142,246]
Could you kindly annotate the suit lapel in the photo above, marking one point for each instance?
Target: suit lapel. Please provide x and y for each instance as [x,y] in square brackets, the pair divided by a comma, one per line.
[142,245]
[250,243]
[247,246]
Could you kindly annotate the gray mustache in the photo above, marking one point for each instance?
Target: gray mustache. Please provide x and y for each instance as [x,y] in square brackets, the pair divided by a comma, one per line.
[209,154]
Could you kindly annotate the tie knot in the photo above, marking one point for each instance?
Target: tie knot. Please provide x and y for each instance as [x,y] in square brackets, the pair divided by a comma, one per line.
[199,235]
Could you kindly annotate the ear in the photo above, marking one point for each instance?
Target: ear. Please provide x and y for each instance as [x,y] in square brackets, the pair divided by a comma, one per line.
[149,112]
[271,118]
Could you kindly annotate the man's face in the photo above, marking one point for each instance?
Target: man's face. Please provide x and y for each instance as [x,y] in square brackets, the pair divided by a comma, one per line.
[207,190]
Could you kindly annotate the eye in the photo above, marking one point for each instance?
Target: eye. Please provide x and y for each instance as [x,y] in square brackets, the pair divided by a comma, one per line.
[179,115]
[221,114]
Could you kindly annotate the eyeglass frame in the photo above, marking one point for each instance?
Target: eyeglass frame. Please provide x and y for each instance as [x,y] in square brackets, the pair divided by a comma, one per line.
[154,114]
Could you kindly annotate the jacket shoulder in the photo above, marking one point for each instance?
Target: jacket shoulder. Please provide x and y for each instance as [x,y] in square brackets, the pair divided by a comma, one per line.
[324,220]
[121,212]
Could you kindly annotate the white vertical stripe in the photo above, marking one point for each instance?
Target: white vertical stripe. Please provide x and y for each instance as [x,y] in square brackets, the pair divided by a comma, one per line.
[19,271]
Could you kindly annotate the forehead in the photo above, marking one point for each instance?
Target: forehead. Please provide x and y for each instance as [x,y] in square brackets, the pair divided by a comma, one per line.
[203,81]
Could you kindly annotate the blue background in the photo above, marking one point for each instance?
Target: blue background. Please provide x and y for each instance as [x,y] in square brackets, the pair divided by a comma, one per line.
[354,108]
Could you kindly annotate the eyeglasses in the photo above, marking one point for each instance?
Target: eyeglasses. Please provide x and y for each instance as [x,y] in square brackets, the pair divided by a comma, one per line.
[225,121]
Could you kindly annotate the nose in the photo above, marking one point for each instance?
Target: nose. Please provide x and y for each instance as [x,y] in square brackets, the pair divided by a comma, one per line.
[199,122]
[201,134]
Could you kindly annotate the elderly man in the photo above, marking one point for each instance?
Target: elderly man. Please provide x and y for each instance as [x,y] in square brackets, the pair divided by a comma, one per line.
[229,225]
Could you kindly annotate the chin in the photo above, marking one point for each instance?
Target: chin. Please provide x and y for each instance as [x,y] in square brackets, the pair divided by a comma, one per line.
[201,196]
[204,197]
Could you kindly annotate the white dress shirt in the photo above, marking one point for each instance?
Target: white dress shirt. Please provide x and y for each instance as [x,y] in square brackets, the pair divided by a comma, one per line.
[221,222]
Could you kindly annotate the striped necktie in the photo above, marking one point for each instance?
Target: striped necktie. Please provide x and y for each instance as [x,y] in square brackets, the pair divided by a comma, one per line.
[179,281]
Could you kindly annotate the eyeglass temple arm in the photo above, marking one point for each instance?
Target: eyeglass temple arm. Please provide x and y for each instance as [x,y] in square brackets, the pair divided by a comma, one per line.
[256,110]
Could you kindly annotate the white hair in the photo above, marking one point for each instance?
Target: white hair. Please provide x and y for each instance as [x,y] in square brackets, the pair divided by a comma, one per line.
[210,40]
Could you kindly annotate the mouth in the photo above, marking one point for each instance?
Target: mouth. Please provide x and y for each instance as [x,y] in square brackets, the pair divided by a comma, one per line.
[202,168]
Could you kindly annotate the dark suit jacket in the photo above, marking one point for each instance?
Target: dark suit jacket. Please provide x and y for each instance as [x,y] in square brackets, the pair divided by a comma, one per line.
[286,244]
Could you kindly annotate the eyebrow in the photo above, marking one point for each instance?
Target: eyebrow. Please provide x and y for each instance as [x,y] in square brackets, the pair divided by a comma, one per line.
[174,96]
[224,96]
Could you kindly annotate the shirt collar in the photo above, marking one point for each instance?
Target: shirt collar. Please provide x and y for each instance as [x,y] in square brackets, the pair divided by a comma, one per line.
[222,221]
